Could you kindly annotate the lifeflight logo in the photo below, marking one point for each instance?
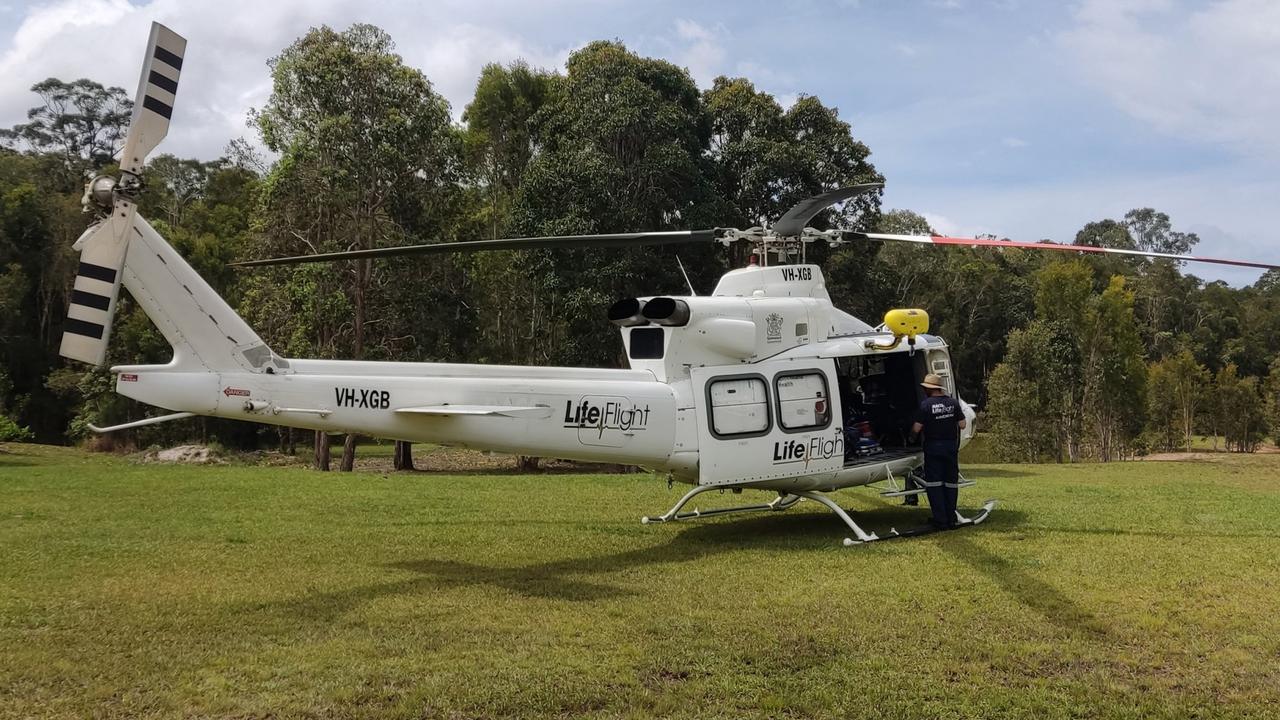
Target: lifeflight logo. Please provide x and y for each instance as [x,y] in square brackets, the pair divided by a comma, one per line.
[817,447]
[605,414]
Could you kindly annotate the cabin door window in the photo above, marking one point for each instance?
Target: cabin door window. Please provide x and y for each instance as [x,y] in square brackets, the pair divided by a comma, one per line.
[739,406]
[804,402]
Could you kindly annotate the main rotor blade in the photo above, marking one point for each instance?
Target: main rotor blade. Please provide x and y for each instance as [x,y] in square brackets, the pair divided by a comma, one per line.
[988,242]
[609,240]
[154,103]
[793,223]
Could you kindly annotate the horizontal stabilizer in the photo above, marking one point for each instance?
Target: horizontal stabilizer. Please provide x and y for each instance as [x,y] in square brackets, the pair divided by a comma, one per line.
[97,285]
[516,411]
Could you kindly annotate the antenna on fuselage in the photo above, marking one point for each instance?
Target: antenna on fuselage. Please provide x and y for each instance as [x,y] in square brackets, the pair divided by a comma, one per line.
[692,292]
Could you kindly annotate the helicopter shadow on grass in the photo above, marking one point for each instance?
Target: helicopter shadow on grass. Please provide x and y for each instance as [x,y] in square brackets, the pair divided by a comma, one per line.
[1034,593]
[557,580]
[573,579]
[986,472]
[1029,590]
[8,461]
[586,579]
[797,532]
[15,456]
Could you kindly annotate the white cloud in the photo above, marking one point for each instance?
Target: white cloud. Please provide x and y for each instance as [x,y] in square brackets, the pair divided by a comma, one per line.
[945,225]
[704,53]
[453,62]
[1212,74]
[1014,142]
[229,43]
[941,224]
[766,76]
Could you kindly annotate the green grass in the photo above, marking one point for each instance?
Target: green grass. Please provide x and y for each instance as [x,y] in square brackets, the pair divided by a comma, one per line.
[1129,590]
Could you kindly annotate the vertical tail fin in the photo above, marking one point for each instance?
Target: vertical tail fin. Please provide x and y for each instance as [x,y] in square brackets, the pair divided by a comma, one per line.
[123,248]
[205,332]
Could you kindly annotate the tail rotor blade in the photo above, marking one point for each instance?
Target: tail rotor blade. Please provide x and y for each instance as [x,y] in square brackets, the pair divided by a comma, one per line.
[989,242]
[156,91]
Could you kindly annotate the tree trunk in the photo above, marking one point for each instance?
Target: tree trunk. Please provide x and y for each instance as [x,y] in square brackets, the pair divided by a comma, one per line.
[363,271]
[322,451]
[292,448]
[403,455]
[348,453]
[527,463]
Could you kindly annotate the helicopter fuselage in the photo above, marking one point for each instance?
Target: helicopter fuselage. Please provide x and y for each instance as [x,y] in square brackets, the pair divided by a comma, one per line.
[752,386]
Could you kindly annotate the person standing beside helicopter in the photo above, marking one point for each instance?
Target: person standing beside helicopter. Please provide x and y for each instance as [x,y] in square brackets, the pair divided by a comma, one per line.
[939,421]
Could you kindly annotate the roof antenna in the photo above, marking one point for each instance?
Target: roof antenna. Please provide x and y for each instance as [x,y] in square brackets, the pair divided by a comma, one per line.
[692,292]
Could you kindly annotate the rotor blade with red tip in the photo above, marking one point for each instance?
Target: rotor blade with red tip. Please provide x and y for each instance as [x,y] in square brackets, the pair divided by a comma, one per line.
[989,242]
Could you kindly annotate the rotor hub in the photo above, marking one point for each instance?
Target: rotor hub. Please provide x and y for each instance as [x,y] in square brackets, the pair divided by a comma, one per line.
[100,193]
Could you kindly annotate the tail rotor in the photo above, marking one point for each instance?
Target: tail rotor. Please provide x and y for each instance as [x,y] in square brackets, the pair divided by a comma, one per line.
[102,247]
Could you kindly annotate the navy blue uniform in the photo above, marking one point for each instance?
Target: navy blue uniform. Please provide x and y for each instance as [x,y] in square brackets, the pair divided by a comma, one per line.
[940,417]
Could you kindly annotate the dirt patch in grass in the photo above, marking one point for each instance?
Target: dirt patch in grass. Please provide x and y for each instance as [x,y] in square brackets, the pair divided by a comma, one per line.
[1207,456]
[430,459]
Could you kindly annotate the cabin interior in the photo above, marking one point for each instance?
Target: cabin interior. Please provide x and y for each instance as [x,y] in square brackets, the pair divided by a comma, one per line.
[879,395]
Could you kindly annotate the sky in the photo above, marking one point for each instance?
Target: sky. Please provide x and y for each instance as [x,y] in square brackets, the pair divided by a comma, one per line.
[1022,119]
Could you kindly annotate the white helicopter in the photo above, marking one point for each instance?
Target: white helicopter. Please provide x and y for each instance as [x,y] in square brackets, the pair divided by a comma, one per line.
[763,385]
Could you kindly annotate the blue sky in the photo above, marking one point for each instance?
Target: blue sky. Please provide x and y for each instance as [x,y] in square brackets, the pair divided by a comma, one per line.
[1024,119]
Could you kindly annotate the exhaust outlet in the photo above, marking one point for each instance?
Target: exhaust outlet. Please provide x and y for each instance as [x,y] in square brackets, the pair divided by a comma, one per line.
[667,311]
[627,313]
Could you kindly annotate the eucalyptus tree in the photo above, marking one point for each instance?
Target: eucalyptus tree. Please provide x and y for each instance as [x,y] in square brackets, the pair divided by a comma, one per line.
[1088,357]
[1179,390]
[621,146]
[499,132]
[364,143]
[81,122]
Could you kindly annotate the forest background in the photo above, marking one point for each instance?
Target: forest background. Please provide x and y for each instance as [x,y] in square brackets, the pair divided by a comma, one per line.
[1067,359]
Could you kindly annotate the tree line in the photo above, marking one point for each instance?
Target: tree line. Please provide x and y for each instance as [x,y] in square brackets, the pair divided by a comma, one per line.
[1068,359]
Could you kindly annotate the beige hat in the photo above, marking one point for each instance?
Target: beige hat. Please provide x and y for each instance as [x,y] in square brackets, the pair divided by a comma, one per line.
[933,382]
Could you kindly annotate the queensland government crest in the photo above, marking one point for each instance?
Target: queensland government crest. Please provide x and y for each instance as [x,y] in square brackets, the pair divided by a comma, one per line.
[773,328]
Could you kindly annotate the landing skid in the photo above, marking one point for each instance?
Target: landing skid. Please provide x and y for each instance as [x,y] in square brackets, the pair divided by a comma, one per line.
[961,521]
[787,500]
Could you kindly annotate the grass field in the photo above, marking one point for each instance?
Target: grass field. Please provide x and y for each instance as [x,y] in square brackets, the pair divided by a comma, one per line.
[1144,589]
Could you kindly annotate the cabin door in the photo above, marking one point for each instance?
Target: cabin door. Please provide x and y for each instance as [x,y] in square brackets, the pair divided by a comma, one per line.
[767,421]
[940,365]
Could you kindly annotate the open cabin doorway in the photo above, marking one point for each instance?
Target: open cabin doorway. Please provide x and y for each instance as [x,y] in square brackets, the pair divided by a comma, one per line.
[879,395]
